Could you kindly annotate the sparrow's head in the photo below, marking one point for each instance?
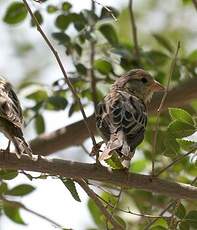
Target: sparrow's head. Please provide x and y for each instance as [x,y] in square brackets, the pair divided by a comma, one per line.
[139,83]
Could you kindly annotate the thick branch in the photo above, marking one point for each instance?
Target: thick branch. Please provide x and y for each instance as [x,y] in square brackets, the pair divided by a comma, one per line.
[91,171]
[76,133]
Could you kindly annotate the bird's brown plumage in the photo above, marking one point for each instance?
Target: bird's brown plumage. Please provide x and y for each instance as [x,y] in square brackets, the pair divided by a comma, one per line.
[122,116]
[11,118]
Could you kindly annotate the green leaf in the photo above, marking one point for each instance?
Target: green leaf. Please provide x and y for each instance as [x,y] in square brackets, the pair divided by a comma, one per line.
[51,9]
[171,146]
[138,166]
[109,198]
[163,42]
[193,56]
[13,213]
[78,20]
[180,211]
[181,115]
[8,174]
[21,190]
[161,223]
[62,38]
[95,212]
[66,6]
[103,66]
[157,227]
[109,33]
[73,108]
[56,103]
[39,18]
[38,95]
[81,69]
[184,226]
[70,185]
[155,57]
[192,218]
[3,188]
[180,129]
[39,124]
[114,162]
[62,21]
[186,2]
[15,13]
[186,144]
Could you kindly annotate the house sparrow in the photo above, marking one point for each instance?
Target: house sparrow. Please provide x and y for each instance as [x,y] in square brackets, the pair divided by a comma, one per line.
[11,119]
[122,115]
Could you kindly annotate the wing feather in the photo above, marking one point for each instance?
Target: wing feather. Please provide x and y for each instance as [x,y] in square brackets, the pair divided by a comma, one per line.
[121,116]
[10,108]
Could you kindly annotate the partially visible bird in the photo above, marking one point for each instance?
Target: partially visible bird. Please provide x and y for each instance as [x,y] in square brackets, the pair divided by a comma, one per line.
[11,119]
[122,115]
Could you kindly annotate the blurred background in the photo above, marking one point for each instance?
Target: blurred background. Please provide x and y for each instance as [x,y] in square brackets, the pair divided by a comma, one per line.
[24,55]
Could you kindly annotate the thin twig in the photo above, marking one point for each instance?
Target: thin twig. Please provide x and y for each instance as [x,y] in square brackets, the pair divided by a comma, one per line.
[102,189]
[172,67]
[55,53]
[86,151]
[160,215]
[117,202]
[19,205]
[134,29]
[92,57]
[175,161]
[129,211]
[171,224]
[194,181]
[99,204]
[167,208]
[195,4]
[107,9]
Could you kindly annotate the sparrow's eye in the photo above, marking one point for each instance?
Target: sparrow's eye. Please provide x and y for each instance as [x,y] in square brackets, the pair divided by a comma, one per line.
[144,80]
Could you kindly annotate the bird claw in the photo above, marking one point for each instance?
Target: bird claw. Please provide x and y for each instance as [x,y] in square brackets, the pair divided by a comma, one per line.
[96,149]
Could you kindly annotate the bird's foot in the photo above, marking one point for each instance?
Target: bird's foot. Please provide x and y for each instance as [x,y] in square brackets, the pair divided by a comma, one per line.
[98,165]
[96,149]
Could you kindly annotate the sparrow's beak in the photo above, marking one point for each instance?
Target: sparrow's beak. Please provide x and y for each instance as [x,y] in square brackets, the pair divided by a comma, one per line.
[157,87]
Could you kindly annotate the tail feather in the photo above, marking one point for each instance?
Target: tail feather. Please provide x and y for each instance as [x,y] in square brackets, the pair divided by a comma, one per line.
[114,143]
[21,146]
[118,143]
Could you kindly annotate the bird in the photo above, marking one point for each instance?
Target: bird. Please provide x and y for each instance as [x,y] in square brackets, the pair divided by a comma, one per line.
[121,117]
[11,119]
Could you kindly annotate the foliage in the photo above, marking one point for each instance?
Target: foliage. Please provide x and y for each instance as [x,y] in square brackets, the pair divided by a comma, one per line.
[113,54]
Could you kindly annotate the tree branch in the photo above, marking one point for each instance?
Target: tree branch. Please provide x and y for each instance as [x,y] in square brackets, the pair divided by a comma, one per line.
[175,161]
[161,214]
[99,204]
[195,4]
[134,29]
[92,55]
[76,133]
[120,178]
